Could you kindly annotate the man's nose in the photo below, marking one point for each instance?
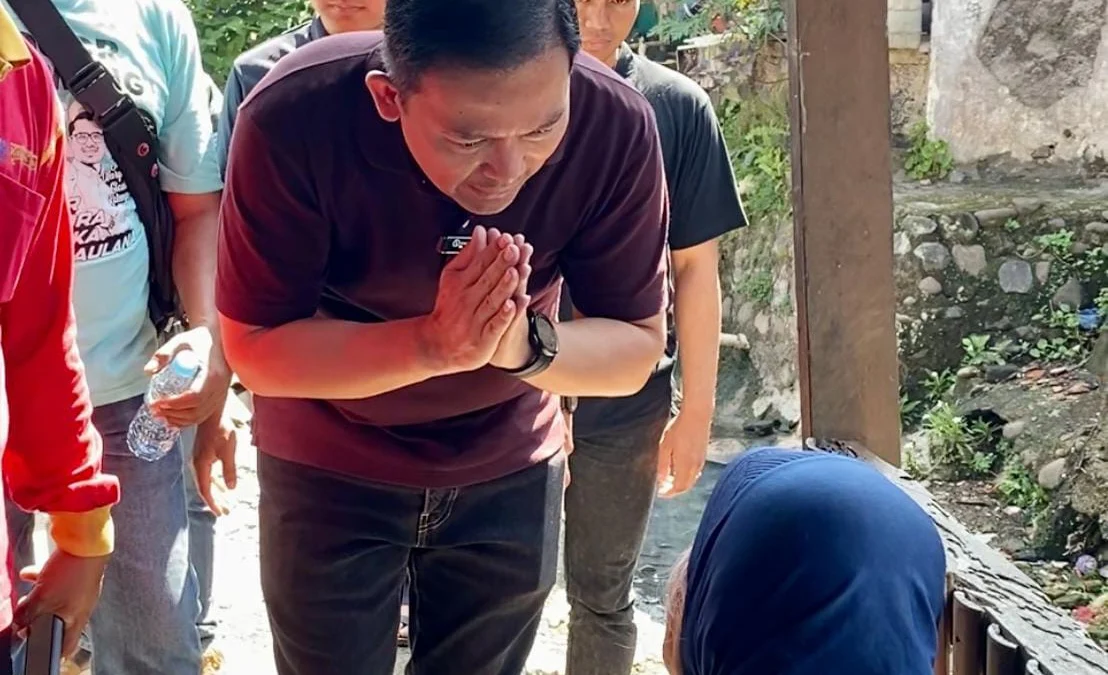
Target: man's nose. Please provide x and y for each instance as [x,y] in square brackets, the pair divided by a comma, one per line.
[505,163]
[593,15]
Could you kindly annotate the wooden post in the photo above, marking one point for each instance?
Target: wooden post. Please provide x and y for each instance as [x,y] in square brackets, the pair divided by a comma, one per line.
[842,199]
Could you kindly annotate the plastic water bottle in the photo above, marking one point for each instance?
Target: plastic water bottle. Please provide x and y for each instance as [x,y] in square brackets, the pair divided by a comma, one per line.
[150,437]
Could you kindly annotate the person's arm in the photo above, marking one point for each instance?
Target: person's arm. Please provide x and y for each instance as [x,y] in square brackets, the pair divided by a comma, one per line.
[697,314]
[273,250]
[615,267]
[189,175]
[52,462]
[705,205]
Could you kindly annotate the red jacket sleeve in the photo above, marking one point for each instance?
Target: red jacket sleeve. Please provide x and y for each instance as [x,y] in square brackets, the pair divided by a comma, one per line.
[53,456]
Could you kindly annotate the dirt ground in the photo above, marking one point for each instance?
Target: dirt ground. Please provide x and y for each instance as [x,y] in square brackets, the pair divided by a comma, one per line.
[244,634]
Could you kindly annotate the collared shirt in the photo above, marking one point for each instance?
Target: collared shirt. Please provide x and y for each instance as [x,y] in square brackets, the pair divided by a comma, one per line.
[703,202]
[51,452]
[323,200]
[251,67]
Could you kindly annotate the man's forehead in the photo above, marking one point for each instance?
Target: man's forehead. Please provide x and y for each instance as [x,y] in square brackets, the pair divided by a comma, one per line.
[487,107]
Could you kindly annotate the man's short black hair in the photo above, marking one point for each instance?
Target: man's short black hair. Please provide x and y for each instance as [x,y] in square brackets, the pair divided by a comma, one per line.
[478,34]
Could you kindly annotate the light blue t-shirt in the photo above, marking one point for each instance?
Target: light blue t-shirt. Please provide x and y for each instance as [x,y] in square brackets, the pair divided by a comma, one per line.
[151,48]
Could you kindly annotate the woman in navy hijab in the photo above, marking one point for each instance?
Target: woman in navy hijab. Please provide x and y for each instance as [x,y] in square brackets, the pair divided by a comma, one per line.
[807,563]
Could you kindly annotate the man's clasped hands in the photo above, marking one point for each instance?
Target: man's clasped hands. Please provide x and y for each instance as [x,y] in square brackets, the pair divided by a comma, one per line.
[480,314]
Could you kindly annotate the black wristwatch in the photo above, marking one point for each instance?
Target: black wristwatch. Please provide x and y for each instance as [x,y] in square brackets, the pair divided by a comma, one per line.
[543,339]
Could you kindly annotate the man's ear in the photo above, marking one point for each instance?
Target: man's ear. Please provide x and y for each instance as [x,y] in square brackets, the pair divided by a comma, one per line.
[385,95]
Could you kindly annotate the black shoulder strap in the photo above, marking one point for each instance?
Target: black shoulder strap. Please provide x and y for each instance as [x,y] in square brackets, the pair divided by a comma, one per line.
[128,134]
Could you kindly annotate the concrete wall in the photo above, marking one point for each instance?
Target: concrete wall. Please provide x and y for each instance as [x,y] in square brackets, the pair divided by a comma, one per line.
[1029,77]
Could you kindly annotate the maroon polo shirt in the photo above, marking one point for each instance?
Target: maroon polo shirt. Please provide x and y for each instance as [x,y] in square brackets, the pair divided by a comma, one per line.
[325,210]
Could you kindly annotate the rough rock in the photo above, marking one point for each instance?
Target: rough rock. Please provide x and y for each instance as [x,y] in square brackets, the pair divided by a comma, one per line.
[999,216]
[1042,271]
[970,259]
[1050,475]
[1069,295]
[1013,430]
[954,313]
[1096,228]
[1015,276]
[902,244]
[930,286]
[1042,50]
[961,227]
[919,226]
[1027,205]
[933,256]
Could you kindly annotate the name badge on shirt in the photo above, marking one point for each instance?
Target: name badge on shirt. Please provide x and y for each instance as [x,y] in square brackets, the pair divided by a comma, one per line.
[452,244]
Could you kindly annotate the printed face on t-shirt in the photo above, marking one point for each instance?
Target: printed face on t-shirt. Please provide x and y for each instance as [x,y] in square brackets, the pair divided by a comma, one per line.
[344,16]
[479,135]
[605,24]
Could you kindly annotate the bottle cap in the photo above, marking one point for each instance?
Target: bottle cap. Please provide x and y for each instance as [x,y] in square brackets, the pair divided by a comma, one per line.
[185,365]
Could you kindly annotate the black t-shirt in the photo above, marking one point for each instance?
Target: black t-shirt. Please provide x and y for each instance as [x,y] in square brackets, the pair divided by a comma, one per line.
[704,204]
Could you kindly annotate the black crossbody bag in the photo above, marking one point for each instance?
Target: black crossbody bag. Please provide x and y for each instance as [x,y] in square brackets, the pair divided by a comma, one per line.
[130,136]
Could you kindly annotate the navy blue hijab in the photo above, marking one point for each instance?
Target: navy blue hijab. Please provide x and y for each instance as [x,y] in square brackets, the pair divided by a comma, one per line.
[811,564]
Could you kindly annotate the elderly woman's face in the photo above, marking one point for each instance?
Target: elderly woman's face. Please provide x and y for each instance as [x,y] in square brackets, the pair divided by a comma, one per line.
[675,612]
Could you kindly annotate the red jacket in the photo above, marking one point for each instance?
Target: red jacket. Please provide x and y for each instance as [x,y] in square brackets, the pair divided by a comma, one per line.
[51,453]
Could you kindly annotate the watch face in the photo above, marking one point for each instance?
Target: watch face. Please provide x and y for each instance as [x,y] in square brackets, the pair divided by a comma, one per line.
[546,335]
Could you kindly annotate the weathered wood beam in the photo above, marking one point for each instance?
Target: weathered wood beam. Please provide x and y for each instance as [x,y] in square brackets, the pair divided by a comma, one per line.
[842,200]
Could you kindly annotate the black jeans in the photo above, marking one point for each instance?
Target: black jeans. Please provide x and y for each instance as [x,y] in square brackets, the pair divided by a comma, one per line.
[334,552]
[611,491]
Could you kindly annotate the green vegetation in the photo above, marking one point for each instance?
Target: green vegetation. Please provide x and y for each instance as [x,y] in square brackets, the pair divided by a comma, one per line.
[757,135]
[756,20]
[940,386]
[960,448]
[227,28]
[1066,342]
[979,351]
[757,286]
[1019,488]
[927,158]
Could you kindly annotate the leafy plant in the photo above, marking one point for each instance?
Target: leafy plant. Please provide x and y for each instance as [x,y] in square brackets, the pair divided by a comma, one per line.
[1058,244]
[1102,301]
[1055,349]
[959,448]
[1020,488]
[757,135]
[939,385]
[757,286]
[1012,225]
[979,350]
[755,20]
[927,158]
[910,410]
[914,466]
[1068,342]
[227,28]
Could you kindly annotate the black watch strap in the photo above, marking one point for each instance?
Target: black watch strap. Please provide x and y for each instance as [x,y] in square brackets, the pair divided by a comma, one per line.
[542,355]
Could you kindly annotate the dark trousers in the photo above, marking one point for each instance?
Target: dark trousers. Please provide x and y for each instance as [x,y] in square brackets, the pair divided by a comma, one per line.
[613,482]
[334,552]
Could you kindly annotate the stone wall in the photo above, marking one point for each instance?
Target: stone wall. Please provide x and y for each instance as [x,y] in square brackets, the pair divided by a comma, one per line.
[1025,77]
[756,273]
[969,261]
[988,261]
